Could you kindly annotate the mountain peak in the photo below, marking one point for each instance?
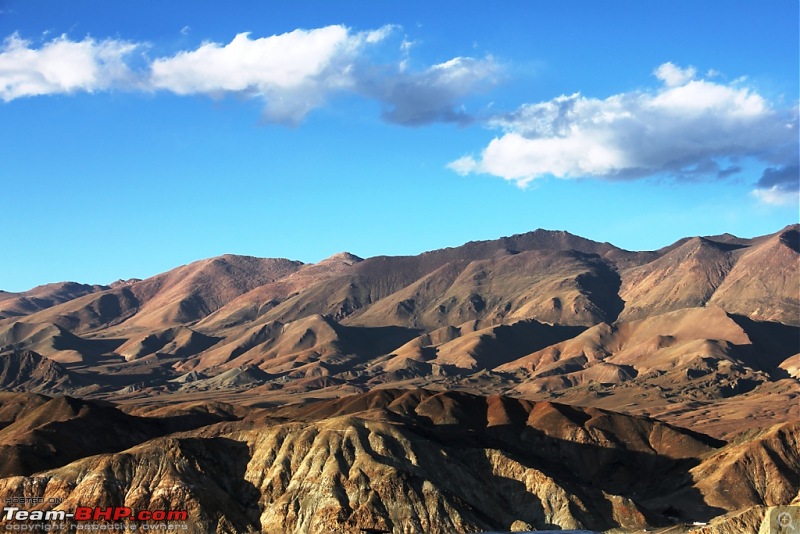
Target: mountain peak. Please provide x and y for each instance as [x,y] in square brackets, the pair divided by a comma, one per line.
[344,257]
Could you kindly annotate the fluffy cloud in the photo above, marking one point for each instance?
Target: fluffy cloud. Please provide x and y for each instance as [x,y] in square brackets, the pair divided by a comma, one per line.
[672,75]
[688,128]
[295,72]
[61,66]
[291,73]
[412,99]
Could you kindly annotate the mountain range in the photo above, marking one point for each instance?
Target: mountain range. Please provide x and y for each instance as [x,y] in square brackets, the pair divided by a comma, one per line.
[519,383]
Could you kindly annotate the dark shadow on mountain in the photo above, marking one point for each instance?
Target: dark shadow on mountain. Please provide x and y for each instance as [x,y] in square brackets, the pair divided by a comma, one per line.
[220,465]
[372,341]
[772,342]
[511,342]
[64,429]
[603,285]
[584,470]
[723,246]
[791,238]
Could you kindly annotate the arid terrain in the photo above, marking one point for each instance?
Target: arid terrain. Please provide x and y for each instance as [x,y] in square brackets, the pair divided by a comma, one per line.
[536,381]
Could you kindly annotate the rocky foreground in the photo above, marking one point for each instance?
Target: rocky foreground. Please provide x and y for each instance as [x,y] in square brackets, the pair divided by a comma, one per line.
[392,460]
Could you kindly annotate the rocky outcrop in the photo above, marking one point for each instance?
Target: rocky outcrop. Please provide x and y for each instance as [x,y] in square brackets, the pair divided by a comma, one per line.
[28,371]
[402,461]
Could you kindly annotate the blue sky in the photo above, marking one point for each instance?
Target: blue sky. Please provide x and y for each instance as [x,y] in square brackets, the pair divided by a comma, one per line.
[139,136]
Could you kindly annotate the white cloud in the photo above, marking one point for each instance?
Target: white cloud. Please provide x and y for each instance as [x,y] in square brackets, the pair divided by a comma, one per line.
[293,72]
[296,72]
[686,128]
[61,66]
[776,196]
[463,166]
[281,61]
[673,75]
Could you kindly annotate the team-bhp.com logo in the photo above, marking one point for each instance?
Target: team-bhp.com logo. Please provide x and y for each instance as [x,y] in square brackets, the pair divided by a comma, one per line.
[93,518]
[121,513]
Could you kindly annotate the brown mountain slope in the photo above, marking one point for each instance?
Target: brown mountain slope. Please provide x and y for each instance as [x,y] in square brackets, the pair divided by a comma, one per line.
[313,336]
[483,348]
[792,366]
[312,346]
[256,302]
[698,366]
[763,285]
[180,296]
[52,341]
[87,313]
[14,405]
[756,471]
[64,429]
[516,286]
[757,278]
[30,372]
[541,240]
[42,297]
[376,278]
[190,293]
[178,341]
[684,277]
[647,345]
[566,288]
[61,429]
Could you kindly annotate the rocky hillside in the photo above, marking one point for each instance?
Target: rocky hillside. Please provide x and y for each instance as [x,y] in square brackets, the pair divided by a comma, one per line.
[409,461]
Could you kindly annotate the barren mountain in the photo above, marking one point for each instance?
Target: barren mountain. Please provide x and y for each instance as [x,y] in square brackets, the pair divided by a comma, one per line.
[684,277]
[31,372]
[259,300]
[565,383]
[760,470]
[178,341]
[763,285]
[42,297]
[473,348]
[305,347]
[53,341]
[182,295]
[566,288]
